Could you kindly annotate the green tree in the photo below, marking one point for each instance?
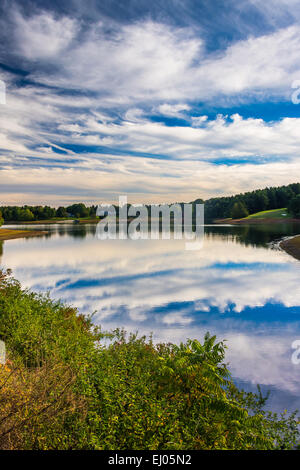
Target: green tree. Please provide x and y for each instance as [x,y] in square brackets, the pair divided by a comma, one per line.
[61,212]
[1,219]
[239,210]
[25,214]
[78,210]
[294,206]
[261,201]
[48,212]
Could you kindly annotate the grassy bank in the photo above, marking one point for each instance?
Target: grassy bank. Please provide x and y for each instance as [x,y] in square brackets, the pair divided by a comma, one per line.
[9,234]
[67,385]
[275,216]
[292,246]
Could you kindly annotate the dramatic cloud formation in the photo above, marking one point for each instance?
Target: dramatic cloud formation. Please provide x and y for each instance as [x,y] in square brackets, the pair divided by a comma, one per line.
[99,104]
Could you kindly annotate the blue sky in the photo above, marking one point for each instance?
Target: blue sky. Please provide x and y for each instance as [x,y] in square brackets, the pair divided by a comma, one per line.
[163,101]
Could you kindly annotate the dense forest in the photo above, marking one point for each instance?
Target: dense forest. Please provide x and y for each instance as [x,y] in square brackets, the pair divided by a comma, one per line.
[241,205]
[238,206]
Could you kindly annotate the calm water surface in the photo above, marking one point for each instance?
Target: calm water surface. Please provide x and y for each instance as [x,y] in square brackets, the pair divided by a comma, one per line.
[236,287]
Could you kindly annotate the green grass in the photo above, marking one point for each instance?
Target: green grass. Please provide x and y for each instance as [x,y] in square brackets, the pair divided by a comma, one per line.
[273,214]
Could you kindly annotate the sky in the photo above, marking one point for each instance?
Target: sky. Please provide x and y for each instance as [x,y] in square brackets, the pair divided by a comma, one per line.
[162,101]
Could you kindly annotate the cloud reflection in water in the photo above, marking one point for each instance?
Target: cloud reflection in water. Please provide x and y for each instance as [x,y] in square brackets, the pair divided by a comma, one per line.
[242,291]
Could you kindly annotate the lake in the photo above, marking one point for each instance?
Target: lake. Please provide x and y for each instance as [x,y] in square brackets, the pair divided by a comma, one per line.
[237,287]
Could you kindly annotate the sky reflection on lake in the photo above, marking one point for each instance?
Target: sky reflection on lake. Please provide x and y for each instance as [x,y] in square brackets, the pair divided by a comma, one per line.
[236,287]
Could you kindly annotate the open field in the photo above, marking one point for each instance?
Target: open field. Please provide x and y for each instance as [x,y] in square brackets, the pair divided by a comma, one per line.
[273,214]
[8,234]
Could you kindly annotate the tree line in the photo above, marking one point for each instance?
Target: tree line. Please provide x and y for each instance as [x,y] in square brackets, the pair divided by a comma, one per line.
[31,213]
[241,205]
[238,206]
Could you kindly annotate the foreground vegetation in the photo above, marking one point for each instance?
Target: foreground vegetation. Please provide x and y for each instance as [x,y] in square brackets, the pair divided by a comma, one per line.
[67,385]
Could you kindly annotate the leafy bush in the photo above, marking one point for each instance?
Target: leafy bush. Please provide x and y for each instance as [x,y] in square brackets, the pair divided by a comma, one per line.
[239,211]
[70,386]
[36,405]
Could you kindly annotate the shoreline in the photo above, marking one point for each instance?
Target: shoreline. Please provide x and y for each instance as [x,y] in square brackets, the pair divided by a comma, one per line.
[39,222]
[10,234]
[291,246]
[52,222]
[254,221]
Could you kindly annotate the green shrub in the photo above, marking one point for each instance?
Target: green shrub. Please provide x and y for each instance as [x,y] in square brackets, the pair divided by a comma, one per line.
[239,211]
[110,391]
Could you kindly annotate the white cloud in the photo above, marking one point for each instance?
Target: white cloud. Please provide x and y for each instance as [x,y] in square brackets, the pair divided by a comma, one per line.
[198,121]
[137,61]
[36,124]
[42,36]
[141,68]
[219,138]
[173,109]
[151,61]
[103,177]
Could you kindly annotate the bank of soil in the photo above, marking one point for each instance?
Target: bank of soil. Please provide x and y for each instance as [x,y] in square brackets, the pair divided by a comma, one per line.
[9,234]
[292,246]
